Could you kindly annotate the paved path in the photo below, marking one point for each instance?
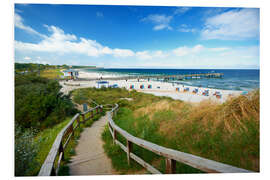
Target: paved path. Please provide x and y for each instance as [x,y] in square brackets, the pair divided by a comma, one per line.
[90,158]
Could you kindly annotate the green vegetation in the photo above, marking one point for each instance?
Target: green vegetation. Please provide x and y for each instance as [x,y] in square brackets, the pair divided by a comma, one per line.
[51,73]
[88,67]
[40,113]
[38,102]
[227,132]
[34,67]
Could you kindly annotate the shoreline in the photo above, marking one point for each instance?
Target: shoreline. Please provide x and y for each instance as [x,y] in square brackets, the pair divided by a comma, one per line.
[156,88]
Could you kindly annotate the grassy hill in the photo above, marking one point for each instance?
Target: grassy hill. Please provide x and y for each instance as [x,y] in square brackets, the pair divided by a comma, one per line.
[227,132]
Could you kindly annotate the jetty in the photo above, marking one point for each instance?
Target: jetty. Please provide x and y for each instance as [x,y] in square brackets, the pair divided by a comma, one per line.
[159,77]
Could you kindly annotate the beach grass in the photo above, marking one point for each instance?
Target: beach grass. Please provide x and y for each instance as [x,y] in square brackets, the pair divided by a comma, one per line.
[51,73]
[227,132]
[44,141]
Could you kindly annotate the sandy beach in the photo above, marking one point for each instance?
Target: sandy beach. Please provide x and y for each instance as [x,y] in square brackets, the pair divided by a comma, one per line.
[172,90]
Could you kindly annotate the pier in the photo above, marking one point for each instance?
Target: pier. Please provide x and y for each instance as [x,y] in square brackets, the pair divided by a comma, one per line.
[161,77]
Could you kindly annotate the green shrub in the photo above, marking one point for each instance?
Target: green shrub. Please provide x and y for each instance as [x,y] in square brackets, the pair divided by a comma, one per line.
[25,151]
[39,103]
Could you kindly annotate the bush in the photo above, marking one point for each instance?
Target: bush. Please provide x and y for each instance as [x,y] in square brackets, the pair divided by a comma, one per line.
[25,151]
[39,102]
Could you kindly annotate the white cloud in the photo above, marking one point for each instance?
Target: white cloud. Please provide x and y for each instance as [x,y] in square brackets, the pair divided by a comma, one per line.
[219,49]
[99,14]
[186,28]
[18,22]
[183,51]
[143,55]
[60,47]
[232,25]
[123,53]
[60,42]
[27,58]
[160,21]
[193,30]
[182,10]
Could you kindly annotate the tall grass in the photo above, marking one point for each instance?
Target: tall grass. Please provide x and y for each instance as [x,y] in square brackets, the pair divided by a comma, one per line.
[227,132]
[51,73]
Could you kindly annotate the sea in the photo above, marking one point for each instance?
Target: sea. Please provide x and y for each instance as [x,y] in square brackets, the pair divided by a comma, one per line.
[233,79]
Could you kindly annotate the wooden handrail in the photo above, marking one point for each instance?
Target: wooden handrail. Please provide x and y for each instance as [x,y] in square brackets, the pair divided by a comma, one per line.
[171,155]
[59,146]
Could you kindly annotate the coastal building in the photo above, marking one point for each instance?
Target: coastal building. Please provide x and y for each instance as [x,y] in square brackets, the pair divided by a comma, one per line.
[101,84]
[73,74]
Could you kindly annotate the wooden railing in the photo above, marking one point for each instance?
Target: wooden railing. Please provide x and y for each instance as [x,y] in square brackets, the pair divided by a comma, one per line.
[50,166]
[170,155]
[69,84]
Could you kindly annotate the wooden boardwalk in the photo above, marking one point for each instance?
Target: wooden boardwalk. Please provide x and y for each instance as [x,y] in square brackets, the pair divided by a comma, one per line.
[90,158]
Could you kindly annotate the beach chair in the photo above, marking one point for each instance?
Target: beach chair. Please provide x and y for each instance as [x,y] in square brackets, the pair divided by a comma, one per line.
[186,89]
[177,89]
[131,87]
[244,93]
[115,86]
[205,93]
[218,96]
[149,86]
[141,86]
[195,91]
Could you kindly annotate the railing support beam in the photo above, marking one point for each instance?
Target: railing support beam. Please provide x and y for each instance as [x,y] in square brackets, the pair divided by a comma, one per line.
[129,149]
[114,136]
[170,166]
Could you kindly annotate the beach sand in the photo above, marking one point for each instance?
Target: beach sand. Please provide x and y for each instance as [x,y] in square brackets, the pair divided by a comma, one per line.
[157,88]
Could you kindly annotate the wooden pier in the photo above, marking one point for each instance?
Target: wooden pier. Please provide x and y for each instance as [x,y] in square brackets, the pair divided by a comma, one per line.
[160,77]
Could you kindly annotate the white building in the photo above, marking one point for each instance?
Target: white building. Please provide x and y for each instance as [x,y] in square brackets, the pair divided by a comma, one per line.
[73,74]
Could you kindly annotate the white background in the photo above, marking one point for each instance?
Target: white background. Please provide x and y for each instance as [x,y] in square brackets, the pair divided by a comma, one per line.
[7,83]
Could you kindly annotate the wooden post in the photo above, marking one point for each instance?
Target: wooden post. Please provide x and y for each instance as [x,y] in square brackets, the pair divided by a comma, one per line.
[129,149]
[53,173]
[92,114]
[61,149]
[78,120]
[170,166]
[83,118]
[72,131]
[114,136]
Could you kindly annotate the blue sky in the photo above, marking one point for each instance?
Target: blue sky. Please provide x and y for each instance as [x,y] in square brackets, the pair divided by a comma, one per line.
[137,36]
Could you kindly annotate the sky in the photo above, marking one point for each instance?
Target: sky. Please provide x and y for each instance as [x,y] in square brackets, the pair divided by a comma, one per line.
[137,36]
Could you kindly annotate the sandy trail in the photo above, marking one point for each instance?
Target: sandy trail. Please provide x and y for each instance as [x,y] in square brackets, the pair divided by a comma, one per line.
[90,158]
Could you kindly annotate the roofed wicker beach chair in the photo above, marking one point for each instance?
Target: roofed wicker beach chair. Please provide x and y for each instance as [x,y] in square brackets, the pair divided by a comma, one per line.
[219,96]
[141,86]
[244,93]
[195,91]
[149,86]
[177,89]
[131,87]
[186,89]
[205,92]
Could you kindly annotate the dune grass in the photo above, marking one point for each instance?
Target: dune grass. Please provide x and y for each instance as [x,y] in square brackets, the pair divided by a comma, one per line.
[51,73]
[44,141]
[227,132]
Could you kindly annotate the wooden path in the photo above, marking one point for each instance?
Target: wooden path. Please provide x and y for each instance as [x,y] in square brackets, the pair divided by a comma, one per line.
[90,158]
